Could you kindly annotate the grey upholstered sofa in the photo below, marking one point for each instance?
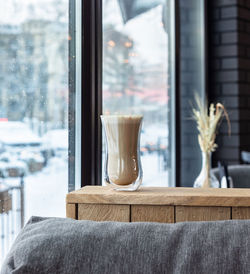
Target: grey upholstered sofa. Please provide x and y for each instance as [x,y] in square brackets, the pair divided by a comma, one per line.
[57,245]
[239,173]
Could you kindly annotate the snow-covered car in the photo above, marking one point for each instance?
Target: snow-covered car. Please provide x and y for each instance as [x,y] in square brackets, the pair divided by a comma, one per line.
[34,160]
[11,166]
[18,134]
[21,149]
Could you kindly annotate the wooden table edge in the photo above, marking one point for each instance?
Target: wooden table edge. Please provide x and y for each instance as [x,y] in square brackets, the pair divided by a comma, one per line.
[166,196]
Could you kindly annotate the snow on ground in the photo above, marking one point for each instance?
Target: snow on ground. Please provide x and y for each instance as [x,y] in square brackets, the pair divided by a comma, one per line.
[45,191]
[153,172]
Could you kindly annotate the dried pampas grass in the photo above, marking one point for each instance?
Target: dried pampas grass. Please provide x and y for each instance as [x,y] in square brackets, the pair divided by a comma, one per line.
[208,121]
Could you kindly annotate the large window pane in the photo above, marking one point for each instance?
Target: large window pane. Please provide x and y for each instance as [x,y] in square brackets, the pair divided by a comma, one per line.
[33,112]
[192,80]
[137,77]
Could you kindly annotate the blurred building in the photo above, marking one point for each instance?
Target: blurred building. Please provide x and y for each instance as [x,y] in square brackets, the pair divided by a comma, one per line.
[33,66]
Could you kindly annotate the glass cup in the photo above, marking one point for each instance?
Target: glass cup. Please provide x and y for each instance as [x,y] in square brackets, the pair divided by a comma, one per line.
[122,168]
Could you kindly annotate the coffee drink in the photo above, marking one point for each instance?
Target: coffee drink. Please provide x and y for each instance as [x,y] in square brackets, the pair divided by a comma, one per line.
[122,135]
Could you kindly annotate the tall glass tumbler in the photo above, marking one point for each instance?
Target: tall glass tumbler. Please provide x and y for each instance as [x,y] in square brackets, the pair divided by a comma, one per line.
[122,167]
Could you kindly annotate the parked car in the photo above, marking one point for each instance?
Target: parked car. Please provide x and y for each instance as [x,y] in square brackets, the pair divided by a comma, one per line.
[11,166]
[20,150]
[34,160]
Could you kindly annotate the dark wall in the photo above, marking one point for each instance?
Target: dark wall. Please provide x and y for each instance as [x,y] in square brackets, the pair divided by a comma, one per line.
[229,73]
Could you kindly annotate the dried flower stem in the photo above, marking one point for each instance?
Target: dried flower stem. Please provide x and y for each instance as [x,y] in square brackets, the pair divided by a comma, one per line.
[208,121]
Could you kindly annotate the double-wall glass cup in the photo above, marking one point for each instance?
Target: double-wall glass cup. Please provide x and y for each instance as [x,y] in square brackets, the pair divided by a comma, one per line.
[122,168]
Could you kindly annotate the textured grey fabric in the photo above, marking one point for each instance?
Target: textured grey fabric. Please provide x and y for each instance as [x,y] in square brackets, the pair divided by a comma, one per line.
[55,245]
[239,173]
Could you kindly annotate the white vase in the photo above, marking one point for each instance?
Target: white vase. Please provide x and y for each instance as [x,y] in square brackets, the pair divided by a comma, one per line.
[206,179]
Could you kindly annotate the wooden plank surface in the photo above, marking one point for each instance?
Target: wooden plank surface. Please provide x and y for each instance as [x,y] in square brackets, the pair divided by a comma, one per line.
[240,213]
[148,213]
[97,212]
[198,213]
[71,211]
[162,196]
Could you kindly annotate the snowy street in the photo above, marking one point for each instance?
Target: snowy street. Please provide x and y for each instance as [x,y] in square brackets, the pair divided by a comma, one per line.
[45,191]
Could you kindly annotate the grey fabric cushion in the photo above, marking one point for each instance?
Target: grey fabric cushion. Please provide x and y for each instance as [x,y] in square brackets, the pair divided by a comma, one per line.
[55,245]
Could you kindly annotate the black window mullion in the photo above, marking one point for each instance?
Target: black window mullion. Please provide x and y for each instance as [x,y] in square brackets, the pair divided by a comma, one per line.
[98,49]
[177,96]
[91,93]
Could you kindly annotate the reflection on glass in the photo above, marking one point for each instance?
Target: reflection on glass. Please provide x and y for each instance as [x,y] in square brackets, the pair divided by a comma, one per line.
[136,76]
[33,112]
[191,81]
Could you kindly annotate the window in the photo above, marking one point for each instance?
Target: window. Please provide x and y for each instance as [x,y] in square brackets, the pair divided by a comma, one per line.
[191,79]
[133,66]
[137,57]
[33,112]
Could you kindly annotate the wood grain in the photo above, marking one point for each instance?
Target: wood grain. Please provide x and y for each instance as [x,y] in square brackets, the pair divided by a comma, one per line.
[97,212]
[71,211]
[240,213]
[148,213]
[162,196]
[197,213]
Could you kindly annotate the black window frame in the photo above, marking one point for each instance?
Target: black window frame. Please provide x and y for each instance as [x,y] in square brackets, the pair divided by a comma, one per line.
[91,93]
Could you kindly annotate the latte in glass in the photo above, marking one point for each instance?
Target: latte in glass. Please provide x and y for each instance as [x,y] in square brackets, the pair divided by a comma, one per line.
[123,165]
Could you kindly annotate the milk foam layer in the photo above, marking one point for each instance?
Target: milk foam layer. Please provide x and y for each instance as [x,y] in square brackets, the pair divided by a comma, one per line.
[122,133]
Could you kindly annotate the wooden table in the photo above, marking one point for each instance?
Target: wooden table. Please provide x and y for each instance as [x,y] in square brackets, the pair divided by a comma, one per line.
[158,204]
